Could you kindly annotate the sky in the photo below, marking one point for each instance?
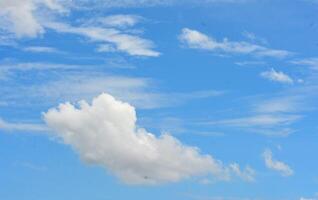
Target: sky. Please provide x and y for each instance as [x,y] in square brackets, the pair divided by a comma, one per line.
[158,99]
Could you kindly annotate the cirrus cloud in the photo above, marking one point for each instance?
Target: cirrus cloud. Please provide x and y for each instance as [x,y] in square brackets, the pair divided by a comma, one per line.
[197,40]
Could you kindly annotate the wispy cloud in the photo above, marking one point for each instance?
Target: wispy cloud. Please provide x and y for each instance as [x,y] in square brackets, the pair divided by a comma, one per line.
[40,49]
[197,40]
[273,115]
[151,3]
[310,62]
[259,120]
[74,85]
[122,42]
[21,127]
[26,19]
[7,69]
[253,38]
[277,76]
[248,174]
[120,21]
[276,165]
[250,63]
[281,104]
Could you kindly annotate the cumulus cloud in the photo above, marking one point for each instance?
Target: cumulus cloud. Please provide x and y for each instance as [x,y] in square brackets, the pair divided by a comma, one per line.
[105,133]
[22,17]
[276,165]
[197,40]
[277,76]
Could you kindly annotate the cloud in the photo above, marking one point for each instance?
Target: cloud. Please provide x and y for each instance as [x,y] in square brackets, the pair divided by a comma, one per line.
[277,76]
[252,37]
[248,174]
[281,104]
[40,49]
[197,40]
[250,63]
[311,62]
[27,19]
[6,69]
[269,124]
[276,165]
[120,20]
[123,42]
[14,127]
[311,198]
[150,3]
[62,82]
[260,120]
[105,133]
[22,17]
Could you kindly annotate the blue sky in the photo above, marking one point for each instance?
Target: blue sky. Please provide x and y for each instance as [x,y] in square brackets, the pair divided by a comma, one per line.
[148,99]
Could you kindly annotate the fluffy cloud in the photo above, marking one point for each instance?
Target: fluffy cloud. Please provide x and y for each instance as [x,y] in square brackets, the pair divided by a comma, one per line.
[276,165]
[197,40]
[22,17]
[105,133]
[277,76]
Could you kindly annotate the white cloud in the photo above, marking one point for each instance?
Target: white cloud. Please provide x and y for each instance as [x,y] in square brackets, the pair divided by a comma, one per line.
[150,3]
[271,124]
[197,40]
[260,120]
[252,37]
[27,19]
[106,48]
[120,20]
[311,198]
[76,82]
[13,127]
[105,133]
[311,62]
[277,76]
[6,67]
[276,165]
[248,174]
[40,49]
[22,17]
[131,44]
[282,104]
[250,63]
